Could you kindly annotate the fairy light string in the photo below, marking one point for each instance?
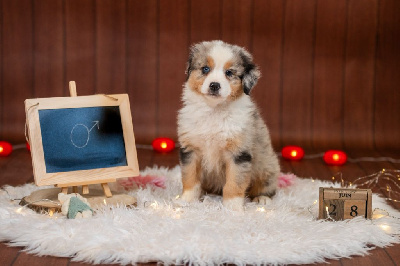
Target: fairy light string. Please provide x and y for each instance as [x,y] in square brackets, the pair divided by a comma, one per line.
[375,181]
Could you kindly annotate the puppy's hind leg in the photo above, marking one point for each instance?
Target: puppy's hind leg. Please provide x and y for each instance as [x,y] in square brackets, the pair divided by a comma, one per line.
[263,189]
[190,165]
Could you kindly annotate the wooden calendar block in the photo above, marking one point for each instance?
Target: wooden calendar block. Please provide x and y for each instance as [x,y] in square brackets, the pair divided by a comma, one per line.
[340,204]
[334,208]
[354,208]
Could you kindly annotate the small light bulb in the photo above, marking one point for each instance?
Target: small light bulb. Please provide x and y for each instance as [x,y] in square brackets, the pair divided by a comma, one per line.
[163,145]
[177,197]
[261,209]
[293,153]
[104,201]
[385,227]
[335,157]
[1,149]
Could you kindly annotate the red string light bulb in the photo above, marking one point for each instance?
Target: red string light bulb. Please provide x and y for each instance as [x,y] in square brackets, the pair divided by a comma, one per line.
[163,144]
[294,153]
[5,148]
[335,157]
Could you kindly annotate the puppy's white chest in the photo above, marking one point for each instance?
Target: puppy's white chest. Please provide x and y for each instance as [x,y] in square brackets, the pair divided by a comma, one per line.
[214,129]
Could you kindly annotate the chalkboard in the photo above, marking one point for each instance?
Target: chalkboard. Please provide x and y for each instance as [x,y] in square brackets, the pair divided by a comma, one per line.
[85,139]
[82,138]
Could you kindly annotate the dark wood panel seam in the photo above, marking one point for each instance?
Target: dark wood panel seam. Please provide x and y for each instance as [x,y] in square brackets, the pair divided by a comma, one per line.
[152,159]
[375,69]
[314,38]
[157,94]
[33,94]
[16,257]
[344,72]
[64,43]
[126,45]
[190,22]
[95,46]
[221,14]
[251,43]
[1,71]
[189,27]
[281,73]
[387,253]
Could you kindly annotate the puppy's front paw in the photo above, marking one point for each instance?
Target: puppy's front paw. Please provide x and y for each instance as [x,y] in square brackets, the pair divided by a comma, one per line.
[191,195]
[235,204]
[188,196]
[262,200]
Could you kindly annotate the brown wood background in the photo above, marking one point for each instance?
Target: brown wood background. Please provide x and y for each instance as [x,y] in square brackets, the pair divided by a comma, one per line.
[330,67]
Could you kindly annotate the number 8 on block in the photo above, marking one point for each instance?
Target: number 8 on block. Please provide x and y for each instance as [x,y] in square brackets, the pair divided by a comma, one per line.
[339,204]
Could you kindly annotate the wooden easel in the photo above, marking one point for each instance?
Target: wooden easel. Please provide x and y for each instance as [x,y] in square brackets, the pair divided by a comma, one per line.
[85,185]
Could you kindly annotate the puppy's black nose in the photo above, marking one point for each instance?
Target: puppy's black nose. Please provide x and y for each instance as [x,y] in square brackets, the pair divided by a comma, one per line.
[214,87]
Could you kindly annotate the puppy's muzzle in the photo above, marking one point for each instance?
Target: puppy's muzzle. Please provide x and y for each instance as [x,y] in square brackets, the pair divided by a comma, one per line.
[214,88]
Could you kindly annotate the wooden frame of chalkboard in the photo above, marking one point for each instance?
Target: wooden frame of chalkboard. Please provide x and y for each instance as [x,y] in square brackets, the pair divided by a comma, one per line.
[67,150]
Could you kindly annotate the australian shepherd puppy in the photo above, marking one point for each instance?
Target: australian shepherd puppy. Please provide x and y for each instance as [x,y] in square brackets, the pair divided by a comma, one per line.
[225,144]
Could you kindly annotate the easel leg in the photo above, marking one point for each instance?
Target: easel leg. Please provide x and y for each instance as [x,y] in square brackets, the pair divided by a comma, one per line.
[64,190]
[85,189]
[107,190]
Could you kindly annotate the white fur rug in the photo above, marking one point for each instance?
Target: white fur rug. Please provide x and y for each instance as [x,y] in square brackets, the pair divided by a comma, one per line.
[159,229]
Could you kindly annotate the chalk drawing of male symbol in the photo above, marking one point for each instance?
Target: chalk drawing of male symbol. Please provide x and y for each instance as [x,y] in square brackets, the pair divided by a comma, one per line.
[80,138]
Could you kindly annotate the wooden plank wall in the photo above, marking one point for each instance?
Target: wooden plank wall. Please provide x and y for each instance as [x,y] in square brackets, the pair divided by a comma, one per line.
[330,67]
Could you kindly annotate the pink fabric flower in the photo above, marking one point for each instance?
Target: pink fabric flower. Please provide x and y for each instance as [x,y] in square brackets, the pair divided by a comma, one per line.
[142,181]
[285,180]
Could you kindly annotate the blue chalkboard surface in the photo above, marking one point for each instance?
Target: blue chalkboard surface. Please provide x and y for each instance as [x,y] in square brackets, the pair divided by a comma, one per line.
[82,138]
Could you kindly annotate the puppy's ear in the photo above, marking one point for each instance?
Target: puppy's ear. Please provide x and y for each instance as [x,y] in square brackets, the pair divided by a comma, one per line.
[251,72]
[189,63]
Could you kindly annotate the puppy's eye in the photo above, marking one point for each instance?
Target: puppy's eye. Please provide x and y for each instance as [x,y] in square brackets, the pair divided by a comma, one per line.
[205,70]
[229,73]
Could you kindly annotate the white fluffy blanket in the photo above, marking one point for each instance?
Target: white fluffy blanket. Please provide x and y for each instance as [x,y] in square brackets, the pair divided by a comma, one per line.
[160,229]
